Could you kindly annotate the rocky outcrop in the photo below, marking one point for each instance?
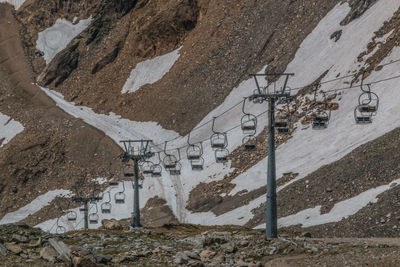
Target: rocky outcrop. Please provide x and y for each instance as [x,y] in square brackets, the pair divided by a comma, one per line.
[358,7]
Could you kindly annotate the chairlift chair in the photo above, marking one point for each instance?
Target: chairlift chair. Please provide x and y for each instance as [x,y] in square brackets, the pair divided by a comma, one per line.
[120,196]
[321,120]
[248,122]
[60,229]
[72,216]
[157,169]
[221,155]
[169,160]
[194,151]
[362,117]
[368,103]
[147,167]
[176,170]
[94,217]
[106,206]
[218,140]
[250,143]
[282,125]
[197,164]
[128,170]
[321,115]
[178,165]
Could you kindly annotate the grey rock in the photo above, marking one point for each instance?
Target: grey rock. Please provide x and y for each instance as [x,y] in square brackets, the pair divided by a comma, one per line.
[273,250]
[62,249]
[3,250]
[49,254]
[19,238]
[13,248]
[104,259]
[181,258]
[192,255]
[307,234]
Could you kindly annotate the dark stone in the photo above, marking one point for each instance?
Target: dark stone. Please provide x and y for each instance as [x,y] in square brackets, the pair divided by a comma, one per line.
[104,259]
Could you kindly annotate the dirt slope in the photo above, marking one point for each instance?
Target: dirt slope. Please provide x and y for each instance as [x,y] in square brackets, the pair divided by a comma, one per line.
[55,149]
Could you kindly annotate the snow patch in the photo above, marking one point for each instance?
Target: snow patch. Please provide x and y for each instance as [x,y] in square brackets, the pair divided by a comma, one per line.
[118,211]
[341,210]
[100,180]
[55,38]
[9,128]
[16,3]
[33,207]
[150,71]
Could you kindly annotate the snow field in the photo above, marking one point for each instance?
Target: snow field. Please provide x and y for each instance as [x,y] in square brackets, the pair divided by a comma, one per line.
[150,71]
[118,211]
[57,37]
[341,210]
[306,152]
[9,128]
[33,207]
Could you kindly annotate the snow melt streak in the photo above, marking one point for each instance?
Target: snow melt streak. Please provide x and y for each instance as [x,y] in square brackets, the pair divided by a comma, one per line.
[341,210]
[9,128]
[150,71]
[33,207]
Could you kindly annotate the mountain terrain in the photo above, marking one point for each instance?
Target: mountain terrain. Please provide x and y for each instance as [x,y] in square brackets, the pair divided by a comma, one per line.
[77,77]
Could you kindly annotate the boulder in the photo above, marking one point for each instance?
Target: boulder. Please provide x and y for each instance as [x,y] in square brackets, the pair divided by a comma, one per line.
[111,224]
[49,254]
[14,248]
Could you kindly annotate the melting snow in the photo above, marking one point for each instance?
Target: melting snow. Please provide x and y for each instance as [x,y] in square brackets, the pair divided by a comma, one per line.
[341,210]
[150,71]
[9,128]
[33,207]
[306,152]
[16,3]
[54,39]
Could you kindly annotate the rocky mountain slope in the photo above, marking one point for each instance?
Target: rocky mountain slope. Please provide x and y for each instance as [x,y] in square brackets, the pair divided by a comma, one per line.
[188,245]
[163,69]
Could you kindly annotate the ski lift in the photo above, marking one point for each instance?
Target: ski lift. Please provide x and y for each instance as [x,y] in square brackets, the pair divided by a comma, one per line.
[194,151]
[128,170]
[178,165]
[169,160]
[368,103]
[120,196]
[321,115]
[147,167]
[250,143]
[60,229]
[221,155]
[218,140]
[106,206]
[94,217]
[157,169]
[72,216]
[248,121]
